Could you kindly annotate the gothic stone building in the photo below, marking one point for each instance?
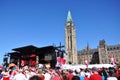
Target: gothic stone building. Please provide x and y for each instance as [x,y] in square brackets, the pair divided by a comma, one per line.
[99,55]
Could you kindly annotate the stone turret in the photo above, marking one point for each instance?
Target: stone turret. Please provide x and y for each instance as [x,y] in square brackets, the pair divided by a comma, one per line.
[102,51]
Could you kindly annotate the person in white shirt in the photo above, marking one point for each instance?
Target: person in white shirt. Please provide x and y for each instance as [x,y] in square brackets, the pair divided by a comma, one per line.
[19,76]
[47,75]
[111,77]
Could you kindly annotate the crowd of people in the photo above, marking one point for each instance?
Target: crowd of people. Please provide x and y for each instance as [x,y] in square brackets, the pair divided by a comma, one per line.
[31,73]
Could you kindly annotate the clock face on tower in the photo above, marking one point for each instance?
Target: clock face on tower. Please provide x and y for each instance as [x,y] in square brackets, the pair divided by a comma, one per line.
[68,24]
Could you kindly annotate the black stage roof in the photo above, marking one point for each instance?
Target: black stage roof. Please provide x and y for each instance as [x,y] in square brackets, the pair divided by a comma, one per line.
[14,53]
[25,49]
[47,49]
[34,49]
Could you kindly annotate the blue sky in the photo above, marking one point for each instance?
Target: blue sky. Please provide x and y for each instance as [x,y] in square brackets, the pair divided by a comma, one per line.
[42,22]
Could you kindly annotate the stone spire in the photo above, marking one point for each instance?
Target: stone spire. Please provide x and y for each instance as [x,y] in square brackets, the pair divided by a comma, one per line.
[88,48]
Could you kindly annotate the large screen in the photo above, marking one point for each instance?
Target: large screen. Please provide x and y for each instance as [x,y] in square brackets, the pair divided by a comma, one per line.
[48,56]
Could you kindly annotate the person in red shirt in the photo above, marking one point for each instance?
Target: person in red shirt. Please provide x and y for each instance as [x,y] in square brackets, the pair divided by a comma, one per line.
[5,76]
[70,74]
[118,72]
[86,77]
[56,75]
[95,75]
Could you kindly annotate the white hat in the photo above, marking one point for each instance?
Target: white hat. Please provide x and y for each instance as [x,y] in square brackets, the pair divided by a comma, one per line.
[77,70]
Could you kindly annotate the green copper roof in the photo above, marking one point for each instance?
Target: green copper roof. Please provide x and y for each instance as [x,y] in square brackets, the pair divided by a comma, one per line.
[69,17]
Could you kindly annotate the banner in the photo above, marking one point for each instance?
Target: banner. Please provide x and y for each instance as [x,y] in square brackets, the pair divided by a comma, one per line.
[61,59]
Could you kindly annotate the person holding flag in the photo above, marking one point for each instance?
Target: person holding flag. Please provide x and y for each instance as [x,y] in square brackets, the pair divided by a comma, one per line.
[86,61]
[112,59]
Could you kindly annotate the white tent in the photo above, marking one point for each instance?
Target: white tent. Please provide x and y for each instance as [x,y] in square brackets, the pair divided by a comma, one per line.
[100,65]
[67,66]
[73,67]
[80,66]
